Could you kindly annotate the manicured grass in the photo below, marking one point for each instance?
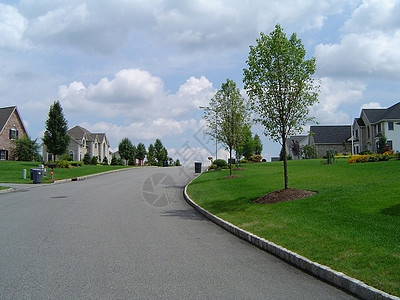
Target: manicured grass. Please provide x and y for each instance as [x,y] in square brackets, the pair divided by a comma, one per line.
[11,171]
[352,225]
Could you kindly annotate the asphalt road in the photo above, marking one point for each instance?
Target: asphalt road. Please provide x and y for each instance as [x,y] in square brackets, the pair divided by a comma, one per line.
[131,235]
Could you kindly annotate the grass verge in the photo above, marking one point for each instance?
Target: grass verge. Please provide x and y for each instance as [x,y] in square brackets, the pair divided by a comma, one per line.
[352,225]
[11,171]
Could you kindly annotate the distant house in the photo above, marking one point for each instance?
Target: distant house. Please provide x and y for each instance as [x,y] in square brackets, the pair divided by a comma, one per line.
[375,122]
[82,141]
[335,137]
[11,128]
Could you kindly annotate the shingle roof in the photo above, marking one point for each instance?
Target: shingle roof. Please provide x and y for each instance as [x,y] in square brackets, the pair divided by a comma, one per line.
[360,122]
[392,113]
[5,114]
[331,134]
[78,132]
[380,114]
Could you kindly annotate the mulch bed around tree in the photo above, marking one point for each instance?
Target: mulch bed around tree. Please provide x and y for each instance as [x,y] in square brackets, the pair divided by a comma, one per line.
[284,195]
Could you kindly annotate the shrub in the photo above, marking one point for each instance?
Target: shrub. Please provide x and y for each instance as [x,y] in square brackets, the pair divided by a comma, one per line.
[256,158]
[93,160]
[76,163]
[244,161]
[86,159]
[105,160]
[220,163]
[63,164]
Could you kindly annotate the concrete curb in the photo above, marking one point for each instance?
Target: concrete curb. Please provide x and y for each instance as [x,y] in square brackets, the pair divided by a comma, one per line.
[349,284]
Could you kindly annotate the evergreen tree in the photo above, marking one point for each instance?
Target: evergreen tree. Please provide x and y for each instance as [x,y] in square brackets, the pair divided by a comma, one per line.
[55,137]
[258,146]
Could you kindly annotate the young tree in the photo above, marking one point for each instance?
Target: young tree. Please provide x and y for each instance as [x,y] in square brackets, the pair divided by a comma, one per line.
[26,149]
[280,86]
[125,149]
[55,137]
[227,117]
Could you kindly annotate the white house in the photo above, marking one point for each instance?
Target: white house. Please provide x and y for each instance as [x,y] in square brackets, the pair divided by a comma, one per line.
[375,122]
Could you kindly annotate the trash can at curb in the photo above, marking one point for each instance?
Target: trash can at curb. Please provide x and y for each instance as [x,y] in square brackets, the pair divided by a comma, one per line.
[37,176]
[197,167]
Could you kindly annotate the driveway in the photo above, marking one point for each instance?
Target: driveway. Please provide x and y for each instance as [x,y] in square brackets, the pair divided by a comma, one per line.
[129,235]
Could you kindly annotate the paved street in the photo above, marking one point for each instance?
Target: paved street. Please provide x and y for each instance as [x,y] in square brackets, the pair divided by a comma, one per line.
[129,235]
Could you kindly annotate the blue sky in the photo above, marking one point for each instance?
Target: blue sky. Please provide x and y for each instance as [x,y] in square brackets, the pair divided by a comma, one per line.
[141,69]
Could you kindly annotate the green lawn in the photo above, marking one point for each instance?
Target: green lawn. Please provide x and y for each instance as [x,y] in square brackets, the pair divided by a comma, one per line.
[352,225]
[11,171]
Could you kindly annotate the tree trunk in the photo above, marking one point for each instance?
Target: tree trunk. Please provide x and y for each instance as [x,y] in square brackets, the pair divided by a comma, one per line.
[285,174]
[230,161]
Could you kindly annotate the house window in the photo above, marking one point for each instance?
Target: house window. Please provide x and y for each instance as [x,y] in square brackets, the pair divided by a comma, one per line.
[13,133]
[83,143]
[378,127]
[390,145]
[3,154]
[356,133]
[368,132]
[71,153]
[390,126]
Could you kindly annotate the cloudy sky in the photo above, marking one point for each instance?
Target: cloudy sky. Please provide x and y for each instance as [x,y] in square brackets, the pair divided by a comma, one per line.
[141,69]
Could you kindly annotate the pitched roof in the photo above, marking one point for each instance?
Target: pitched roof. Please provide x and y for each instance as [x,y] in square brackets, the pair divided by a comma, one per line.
[331,134]
[392,113]
[377,115]
[5,114]
[77,133]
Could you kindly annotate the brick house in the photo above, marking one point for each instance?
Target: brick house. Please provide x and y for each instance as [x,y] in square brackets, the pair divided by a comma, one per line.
[11,128]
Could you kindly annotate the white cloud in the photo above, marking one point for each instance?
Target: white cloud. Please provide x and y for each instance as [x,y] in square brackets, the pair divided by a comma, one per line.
[135,94]
[333,96]
[363,55]
[371,105]
[369,44]
[374,15]
[12,28]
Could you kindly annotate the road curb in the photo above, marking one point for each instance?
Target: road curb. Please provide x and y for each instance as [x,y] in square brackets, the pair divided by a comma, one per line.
[347,283]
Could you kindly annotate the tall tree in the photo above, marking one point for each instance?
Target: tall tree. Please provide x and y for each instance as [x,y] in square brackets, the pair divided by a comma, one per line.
[141,152]
[151,160]
[258,146]
[160,152]
[280,86]
[125,149]
[55,137]
[227,117]
[26,149]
